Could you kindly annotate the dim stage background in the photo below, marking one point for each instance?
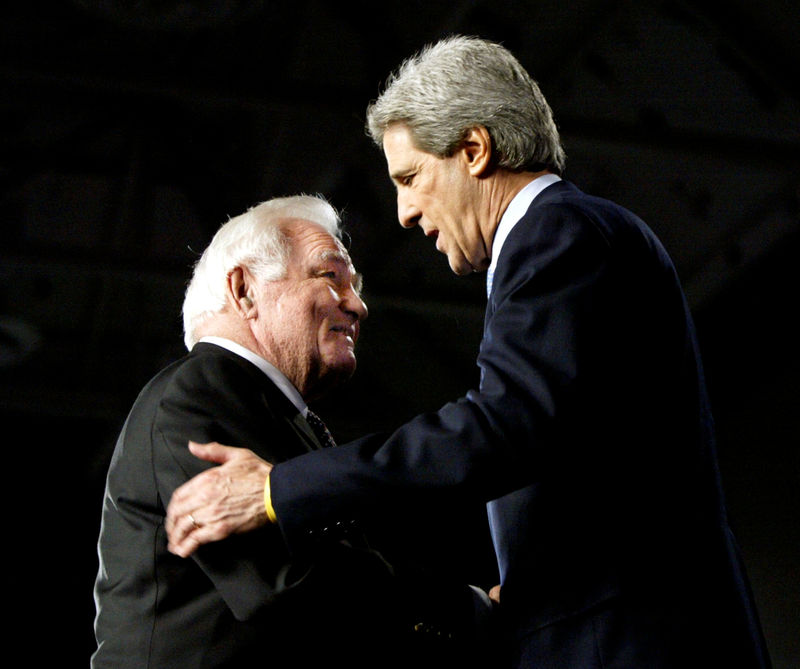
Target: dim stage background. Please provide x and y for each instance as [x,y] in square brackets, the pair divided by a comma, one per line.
[131,131]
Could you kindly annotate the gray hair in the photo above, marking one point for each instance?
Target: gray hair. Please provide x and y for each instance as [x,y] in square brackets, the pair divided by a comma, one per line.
[256,240]
[460,83]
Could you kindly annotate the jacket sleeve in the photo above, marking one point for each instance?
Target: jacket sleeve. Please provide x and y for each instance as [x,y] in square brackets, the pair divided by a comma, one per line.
[496,439]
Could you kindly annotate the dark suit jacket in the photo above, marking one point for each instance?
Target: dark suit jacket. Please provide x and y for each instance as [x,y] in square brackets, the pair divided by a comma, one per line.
[245,601]
[592,437]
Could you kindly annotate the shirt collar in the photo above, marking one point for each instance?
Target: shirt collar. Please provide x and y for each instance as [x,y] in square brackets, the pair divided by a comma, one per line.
[275,375]
[513,213]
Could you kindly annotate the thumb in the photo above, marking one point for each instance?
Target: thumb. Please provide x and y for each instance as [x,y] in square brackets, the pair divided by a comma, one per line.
[212,452]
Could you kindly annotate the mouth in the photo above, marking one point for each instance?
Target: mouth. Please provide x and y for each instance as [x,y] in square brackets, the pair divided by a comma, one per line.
[434,235]
[349,331]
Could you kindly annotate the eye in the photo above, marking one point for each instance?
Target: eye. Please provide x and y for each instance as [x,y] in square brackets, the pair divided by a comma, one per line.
[403,180]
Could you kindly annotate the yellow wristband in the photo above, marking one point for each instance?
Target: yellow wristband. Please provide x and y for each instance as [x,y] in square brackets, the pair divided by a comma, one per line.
[268,503]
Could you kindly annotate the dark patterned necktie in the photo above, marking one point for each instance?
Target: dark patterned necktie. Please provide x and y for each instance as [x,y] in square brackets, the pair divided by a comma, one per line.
[323,435]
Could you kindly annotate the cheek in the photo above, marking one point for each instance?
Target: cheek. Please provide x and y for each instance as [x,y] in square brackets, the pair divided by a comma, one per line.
[294,333]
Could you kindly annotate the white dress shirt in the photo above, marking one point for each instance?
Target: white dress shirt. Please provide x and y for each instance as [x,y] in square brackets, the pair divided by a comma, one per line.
[513,213]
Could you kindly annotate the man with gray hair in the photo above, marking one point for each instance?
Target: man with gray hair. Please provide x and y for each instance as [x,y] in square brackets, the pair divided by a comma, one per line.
[590,436]
[271,319]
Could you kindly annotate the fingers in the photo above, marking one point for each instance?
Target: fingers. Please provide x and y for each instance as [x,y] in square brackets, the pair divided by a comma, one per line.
[196,492]
[187,537]
[214,452]
[213,520]
[181,542]
[186,499]
[218,502]
[187,511]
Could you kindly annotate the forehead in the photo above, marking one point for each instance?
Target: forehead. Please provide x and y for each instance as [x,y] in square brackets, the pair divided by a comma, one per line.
[310,242]
[399,148]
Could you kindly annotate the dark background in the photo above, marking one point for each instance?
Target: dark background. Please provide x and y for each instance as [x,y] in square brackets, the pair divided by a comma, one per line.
[131,131]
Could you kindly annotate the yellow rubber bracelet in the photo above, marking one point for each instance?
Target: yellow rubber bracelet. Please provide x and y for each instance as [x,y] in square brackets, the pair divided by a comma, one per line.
[268,503]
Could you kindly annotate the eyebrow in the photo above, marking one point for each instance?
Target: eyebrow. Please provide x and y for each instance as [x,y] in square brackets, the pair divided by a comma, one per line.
[335,256]
[358,282]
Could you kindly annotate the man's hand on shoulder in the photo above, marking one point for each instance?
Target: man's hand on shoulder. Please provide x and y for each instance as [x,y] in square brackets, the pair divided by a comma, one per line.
[221,501]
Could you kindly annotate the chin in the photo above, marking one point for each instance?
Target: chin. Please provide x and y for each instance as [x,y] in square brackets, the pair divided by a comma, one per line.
[463,266]
[342,370]
[461,269]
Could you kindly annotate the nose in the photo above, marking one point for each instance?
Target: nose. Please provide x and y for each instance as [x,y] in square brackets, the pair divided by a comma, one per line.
[354,306]
[407,213]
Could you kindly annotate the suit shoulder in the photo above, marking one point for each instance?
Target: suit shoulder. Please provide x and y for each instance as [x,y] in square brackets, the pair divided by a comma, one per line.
[570,206]
[213,367]
[222,394]
[561,224]
[197,387]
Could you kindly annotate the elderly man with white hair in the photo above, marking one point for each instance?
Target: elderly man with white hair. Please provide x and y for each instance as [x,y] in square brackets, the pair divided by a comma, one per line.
[271,319]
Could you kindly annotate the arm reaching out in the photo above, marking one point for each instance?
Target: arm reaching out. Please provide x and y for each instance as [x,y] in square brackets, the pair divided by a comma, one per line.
[221,501]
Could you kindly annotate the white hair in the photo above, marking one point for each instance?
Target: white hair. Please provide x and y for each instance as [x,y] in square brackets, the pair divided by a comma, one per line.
[256,240]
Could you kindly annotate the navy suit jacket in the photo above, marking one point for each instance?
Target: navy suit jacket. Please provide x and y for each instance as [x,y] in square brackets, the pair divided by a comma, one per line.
[246,601]
[590,437]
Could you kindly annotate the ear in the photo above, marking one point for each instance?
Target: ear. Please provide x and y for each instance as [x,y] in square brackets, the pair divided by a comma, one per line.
[239,292]
[476,151]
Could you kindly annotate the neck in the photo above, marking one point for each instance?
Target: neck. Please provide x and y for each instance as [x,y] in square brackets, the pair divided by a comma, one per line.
[513,183]
[230,327]
[503,188]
